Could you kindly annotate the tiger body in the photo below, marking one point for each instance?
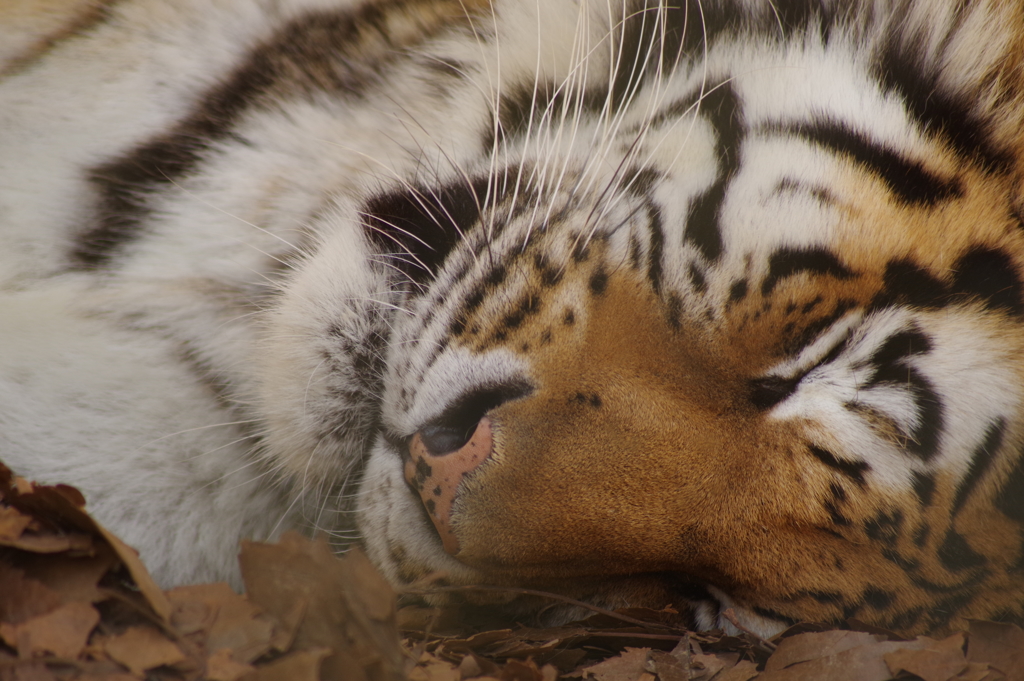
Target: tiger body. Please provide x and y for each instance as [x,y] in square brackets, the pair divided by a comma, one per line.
[725,298]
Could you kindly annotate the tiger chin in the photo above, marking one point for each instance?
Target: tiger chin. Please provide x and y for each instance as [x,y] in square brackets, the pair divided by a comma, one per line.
[715,305]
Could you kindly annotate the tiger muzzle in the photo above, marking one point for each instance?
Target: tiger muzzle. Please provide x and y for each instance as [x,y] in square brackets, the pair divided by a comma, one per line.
[436,466]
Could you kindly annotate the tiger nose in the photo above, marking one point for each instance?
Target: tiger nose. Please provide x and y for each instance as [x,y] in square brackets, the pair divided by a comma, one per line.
[439,458]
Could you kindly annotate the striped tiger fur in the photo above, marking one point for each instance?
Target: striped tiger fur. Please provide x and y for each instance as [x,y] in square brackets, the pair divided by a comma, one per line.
[715,304]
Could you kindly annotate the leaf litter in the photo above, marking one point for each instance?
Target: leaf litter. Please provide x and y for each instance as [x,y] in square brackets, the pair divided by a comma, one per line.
[76,604]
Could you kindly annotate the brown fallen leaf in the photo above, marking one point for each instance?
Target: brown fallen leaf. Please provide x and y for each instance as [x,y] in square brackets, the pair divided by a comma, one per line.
[1000,645]
[12,523]
[743,671]
[72,578]
[299,666]
[63,507]
[191,613]
[228,619]
[814,645]
[477,642]
[51,543]
[222,667]
[288,626]
[473,666]
[704,667]
[669,667]
[566,660]
[628,666]
[977,671]
[143,648]
[140,576]
[26,671]
[351,609]
[123,676]
[527,670]
[860,663]
[62,632]
[434,669]
[22,597]
[938,661]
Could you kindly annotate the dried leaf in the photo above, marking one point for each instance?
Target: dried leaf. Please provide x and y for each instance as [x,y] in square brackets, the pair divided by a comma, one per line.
[113,676]
[473,666]
[147,587]
[939,661]
[301,666]
[435,670]
[50,543]
[814,645]
[63,632]
[26,671]
[479,641]
[629,666]
[977,671]
[191,613]
[62,507]
[222,667]
[743,671]
[704,667]
[23,598]
[1000,645]
[374,593]
[72,578]
[669,667]
[860,663]
[229,619]
[143,648]
[351,609]
[521,670]
[12,523]
[288,626]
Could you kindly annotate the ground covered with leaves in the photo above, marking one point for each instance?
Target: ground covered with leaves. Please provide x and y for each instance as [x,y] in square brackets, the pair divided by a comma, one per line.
[76,604]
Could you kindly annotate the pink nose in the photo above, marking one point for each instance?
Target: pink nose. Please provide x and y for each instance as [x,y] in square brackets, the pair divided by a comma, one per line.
[437,476]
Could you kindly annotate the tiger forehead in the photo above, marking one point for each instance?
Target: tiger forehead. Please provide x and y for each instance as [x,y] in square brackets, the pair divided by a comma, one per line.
[529,299]
[881,247]
[760,309]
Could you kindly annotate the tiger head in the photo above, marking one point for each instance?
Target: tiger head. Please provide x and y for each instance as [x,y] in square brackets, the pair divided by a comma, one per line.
[725,312]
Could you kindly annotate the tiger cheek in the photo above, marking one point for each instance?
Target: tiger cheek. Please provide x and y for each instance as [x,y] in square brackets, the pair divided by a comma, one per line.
[583,503]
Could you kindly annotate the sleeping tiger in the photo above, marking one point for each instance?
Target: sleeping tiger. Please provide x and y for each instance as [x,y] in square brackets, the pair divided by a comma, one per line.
[712,304]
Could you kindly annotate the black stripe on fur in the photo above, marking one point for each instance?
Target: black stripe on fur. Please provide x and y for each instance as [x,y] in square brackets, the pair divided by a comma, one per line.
[322,52]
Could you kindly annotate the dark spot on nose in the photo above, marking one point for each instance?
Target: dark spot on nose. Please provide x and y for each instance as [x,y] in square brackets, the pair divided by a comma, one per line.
[423,473]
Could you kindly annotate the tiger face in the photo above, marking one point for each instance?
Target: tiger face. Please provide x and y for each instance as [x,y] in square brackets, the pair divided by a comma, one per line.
[752,351]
